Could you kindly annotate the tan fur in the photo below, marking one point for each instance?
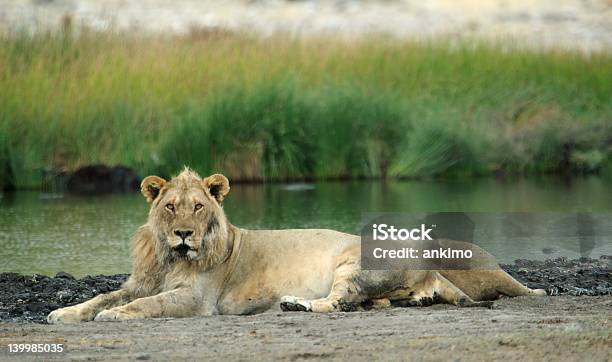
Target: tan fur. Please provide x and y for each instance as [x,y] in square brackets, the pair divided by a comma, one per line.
[189,260]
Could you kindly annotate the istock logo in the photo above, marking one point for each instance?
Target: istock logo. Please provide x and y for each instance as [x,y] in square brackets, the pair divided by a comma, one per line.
[390,232]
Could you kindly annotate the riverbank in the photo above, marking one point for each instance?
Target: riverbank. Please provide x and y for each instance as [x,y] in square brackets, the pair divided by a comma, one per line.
[29,298]
[281,108]
[562,327]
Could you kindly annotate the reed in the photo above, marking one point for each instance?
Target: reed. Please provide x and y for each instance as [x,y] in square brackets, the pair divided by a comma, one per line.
[282,108]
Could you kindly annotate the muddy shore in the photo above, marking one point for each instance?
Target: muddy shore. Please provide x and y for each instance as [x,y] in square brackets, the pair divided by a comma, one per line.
[573,323]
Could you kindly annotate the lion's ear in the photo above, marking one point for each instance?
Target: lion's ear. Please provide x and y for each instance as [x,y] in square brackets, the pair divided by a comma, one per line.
[217,185]
[151,186]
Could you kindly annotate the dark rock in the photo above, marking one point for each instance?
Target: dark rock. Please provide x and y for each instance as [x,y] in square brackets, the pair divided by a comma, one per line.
[101,179]
[581,276]
[64,275]
[36,307]
[29,298]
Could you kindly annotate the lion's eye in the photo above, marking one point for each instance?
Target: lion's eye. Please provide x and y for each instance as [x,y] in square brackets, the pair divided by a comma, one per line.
[198,207]
[170,207]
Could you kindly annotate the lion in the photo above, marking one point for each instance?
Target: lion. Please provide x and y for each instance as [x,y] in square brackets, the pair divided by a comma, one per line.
[189,260]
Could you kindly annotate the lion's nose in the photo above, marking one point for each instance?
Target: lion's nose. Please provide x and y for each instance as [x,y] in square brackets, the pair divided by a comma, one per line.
[183,234]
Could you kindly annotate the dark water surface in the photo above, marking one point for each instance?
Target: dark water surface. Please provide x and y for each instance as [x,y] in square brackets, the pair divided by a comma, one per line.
[46,232]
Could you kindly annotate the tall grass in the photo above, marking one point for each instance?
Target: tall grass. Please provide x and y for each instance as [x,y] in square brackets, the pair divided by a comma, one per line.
[280,108]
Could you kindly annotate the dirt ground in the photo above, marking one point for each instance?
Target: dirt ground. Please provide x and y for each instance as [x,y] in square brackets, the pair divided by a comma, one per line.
[536,328]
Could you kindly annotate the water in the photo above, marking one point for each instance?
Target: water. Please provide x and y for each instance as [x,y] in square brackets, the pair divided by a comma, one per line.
[46,233]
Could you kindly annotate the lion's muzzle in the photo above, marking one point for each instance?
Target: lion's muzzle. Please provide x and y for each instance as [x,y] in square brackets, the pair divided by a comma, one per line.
[184,246]
[183,234]
[182,249]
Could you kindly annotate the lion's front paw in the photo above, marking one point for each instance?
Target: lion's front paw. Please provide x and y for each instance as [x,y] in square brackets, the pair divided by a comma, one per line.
[66,316]
[290,303]
[112,315]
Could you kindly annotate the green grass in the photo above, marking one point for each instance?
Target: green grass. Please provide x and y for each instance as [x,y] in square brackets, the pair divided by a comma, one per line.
[280,108]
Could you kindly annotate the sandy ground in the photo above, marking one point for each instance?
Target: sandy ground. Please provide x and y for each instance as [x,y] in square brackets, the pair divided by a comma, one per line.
[536,328]
[583,24]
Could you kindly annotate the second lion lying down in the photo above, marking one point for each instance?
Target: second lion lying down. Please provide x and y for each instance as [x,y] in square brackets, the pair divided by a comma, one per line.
[190,261]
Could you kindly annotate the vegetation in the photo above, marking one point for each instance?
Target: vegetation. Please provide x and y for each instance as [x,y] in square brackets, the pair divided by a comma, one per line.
[281,108]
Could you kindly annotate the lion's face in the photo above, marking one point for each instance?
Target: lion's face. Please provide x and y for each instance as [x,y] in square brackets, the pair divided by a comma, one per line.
[186,216]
